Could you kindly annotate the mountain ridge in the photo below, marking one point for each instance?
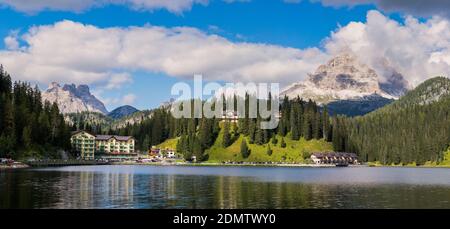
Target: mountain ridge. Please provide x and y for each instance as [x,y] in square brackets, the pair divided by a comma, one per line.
[73,99]
[345,77]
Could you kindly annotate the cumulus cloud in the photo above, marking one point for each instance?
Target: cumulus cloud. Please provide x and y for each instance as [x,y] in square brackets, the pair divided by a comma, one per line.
[174,6]
[418,50]
[127,99]
[422,8]
[73,52]
[11,41]
[117,80]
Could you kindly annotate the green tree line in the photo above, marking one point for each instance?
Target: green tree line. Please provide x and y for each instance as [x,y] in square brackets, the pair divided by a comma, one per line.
[28,127]
[415,129]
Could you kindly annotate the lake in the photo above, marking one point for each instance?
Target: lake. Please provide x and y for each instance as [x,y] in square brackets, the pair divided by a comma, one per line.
[134,186]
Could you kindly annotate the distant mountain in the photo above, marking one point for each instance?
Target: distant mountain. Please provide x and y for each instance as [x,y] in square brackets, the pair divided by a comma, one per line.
[93,119]
[345,78]
[122,111]
[134,118]
[73,99]
[359,106]
[432,90]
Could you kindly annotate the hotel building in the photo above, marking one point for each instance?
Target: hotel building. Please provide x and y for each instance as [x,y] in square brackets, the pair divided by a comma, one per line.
[103,146]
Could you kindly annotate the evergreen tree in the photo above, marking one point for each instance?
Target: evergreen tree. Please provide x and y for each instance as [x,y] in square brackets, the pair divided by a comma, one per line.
[274,139]
[226,140]
[295,135]
[269,150]
[326,124]
[283,143]
[245,152]
[197,150]
[251,131]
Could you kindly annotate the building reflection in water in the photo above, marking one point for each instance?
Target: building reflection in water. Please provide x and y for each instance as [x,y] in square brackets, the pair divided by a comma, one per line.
[148,187]
[90,190]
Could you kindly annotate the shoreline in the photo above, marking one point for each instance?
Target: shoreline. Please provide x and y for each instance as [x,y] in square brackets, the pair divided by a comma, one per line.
[215,164]
[16,166]
[218,164]
[300,165]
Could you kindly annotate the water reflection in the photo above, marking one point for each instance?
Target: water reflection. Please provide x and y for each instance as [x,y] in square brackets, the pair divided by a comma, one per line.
[146,187]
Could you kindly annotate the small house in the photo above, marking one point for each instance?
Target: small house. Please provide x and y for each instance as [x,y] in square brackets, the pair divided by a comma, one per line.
[334,158]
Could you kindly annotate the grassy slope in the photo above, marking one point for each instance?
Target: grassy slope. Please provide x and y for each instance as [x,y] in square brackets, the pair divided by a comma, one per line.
[169,143]
[294,151]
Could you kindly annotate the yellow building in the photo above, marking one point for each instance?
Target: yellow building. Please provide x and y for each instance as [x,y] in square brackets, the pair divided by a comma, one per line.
[104,146]
[114,144]
[83,143]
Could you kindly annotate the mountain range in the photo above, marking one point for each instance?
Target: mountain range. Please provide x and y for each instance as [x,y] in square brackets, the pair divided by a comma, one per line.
[344,83]
[77,99]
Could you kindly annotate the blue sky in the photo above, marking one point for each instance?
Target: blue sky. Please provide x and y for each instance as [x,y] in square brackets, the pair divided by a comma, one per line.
[301,26]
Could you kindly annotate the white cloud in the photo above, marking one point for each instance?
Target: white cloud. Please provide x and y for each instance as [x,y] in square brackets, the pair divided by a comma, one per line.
[422,8]
[117,80]
[11,42]
[72,52]
[34,6]
[128,99]
[418,50]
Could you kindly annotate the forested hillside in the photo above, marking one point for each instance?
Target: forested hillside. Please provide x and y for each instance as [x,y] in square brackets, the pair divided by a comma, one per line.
[301,119]
[414,129]
[28,127]
[90,121]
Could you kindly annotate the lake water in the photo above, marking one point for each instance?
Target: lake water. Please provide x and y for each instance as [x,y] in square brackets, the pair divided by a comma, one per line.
[122,186]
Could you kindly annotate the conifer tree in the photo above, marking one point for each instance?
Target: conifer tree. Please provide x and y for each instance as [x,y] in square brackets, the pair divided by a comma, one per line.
[283,143]
[244,149]
[274,139]
[269,150]
[226,140]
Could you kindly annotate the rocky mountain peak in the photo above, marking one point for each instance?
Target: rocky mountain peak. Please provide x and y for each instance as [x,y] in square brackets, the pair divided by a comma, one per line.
[345,72]
[53,85]
[73,99]
[345,77]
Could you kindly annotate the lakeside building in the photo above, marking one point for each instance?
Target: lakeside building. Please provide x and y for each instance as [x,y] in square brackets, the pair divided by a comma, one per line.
[231,116]
[111,147]
[170,153]
[83,143]
[162,153]
[334,158]
[153,152]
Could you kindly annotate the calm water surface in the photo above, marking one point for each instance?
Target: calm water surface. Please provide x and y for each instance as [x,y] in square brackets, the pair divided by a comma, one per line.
[118,186]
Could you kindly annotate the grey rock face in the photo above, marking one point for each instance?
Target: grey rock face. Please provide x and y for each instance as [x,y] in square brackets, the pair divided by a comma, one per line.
[73,99]
[345,77]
